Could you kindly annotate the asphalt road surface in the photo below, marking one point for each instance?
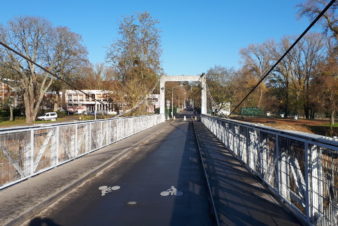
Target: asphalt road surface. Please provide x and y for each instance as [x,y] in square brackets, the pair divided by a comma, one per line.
[163,184]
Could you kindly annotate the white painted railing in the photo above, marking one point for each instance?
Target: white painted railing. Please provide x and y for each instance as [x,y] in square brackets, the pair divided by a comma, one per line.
[29,151]
[301,168]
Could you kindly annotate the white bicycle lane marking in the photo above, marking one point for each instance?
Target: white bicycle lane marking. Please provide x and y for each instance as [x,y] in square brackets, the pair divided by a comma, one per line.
[107,189]
[172,191]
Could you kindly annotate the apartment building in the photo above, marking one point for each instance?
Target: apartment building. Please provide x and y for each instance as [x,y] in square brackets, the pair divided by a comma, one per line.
[6,92]
[78,102]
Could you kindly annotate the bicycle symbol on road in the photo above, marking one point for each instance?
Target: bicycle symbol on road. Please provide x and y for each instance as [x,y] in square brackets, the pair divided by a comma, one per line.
[106,189]
[171,191]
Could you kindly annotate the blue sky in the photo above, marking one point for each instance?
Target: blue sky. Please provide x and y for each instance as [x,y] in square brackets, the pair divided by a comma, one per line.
[195,35]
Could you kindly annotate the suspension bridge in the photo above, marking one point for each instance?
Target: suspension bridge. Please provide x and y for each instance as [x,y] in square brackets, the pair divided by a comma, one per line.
[145,170]
[148,170]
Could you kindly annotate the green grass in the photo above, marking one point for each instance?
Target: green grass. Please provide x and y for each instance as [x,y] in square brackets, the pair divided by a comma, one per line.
[329,125]
[20,121]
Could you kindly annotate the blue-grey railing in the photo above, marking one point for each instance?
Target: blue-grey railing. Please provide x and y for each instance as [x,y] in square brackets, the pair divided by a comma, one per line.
[301,168]
[27,151]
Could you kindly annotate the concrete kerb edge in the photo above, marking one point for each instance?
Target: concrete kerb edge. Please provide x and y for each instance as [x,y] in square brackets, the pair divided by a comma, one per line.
[64,191]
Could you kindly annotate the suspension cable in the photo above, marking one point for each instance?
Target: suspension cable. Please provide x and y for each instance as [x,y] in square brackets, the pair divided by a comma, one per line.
[46,70]
[137,105]
[213,102]
[66,82]
[287,51]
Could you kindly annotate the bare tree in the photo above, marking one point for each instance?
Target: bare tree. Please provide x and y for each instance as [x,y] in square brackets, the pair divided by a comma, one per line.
[218,81]
[280,78]
[326,85]
[39,41]
[311,8]
[136,58]
[257,60]
[307,56]
[70,57]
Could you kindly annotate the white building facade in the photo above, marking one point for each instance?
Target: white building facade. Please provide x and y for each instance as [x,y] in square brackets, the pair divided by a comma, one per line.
[95,100]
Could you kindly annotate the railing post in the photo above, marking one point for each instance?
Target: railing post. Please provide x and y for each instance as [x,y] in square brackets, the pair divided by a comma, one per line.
[57,140]
[31,167]
[108,133]
[306,160]
[90,137]
[277,155]
[316,184]
[101,138]
[247,139]
[76,140]
[284,174]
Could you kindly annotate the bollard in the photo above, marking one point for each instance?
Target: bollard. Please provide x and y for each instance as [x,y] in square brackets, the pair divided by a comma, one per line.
[185,118]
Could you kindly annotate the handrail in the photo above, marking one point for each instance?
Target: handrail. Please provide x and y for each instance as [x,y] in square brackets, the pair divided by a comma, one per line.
[299,168]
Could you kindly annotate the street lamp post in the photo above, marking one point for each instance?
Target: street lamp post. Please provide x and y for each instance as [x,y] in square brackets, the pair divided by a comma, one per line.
[172,102]
[172,99]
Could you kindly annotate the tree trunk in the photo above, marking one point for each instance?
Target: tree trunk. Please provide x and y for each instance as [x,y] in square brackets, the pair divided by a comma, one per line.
[63,99]
[286,113]
[332,118]
[11,118]
[29,106]
[55,106]
[260,97]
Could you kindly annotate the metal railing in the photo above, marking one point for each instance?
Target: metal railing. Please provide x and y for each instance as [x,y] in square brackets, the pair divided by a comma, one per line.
[29,151]
[300,168]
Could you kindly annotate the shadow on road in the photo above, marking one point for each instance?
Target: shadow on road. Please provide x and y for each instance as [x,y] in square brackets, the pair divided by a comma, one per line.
[195,208]
[38,221]
[240,198]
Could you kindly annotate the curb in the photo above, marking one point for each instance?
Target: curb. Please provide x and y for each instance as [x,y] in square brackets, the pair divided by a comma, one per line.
[206,176]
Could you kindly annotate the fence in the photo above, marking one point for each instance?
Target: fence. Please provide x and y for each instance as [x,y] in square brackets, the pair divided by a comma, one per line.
[302,169]
[29,151]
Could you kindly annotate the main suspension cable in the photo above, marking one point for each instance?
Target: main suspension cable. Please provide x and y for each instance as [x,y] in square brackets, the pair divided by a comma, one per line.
[66,82]
[137,105]
[213,102]
[46,70]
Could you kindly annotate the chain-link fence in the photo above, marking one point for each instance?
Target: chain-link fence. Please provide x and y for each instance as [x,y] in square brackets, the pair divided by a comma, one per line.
[29,151]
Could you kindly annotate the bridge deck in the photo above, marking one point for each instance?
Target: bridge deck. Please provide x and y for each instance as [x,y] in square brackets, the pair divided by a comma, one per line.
[160,182]
[145,195]
[240,198]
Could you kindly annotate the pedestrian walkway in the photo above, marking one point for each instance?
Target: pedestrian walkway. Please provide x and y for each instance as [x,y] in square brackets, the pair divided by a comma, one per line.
[166,186]
[239,197]
[22,200]
[152,178]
